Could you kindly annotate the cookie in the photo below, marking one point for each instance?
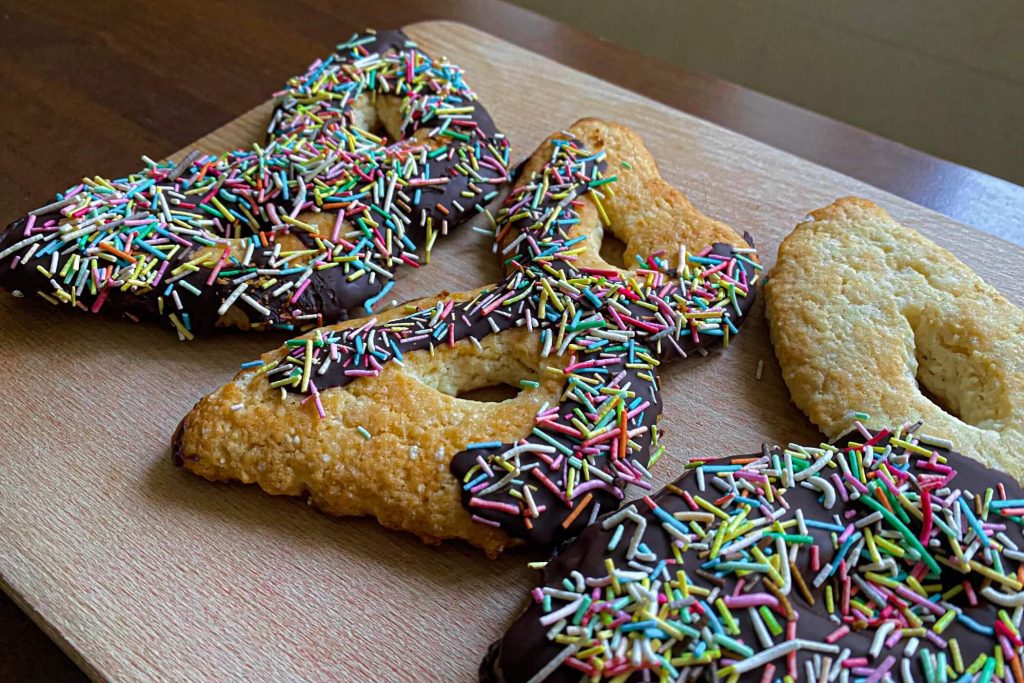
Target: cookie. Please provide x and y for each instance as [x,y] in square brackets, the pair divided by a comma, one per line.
[886,556]
[365,418]
[372,154]
[867,312]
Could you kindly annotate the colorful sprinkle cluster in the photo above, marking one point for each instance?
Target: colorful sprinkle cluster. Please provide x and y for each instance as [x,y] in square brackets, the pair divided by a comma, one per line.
[297,233]
[612,328]
[885,557]
[673,310]
[428,93]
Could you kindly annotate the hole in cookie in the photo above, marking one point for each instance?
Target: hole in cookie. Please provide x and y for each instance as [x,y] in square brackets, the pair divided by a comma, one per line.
[499,370]
[495,393]
[956,375]
[380,115]
[932,397]
[613,250]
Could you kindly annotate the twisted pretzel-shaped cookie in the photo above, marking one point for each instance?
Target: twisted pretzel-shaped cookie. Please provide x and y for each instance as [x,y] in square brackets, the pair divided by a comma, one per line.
[588,336]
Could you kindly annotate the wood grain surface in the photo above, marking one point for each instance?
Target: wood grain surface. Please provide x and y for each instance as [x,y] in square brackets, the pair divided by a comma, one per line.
[145,572]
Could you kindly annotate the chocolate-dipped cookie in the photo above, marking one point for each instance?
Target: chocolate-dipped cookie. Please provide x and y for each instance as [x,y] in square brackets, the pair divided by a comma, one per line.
[885,556]
[372,154]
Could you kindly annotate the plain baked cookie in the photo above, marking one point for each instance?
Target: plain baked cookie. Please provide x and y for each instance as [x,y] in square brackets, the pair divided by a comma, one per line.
[867,312]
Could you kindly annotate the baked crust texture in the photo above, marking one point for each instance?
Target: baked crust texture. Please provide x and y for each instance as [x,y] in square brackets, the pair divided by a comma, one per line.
[868,314]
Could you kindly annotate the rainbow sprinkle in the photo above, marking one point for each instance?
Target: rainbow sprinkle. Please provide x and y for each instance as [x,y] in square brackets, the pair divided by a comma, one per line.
[884,557]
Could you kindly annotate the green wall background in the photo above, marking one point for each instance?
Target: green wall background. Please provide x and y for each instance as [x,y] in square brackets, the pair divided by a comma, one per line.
[943,76]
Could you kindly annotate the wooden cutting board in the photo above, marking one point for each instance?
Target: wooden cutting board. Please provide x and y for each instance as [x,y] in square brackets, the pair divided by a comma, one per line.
[144,572]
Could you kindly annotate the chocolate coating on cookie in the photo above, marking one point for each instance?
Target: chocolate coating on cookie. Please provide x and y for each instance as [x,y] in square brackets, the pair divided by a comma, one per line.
[306,230]
[901,560]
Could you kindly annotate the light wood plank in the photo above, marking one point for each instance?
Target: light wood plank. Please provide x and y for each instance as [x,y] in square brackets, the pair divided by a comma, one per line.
[145,572]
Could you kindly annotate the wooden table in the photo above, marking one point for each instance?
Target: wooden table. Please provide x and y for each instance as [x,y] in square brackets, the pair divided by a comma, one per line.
[96,88]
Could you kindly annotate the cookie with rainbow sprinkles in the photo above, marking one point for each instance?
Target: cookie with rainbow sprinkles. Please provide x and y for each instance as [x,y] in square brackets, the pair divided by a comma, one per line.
[365,418]
[371,155]
[886,556]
